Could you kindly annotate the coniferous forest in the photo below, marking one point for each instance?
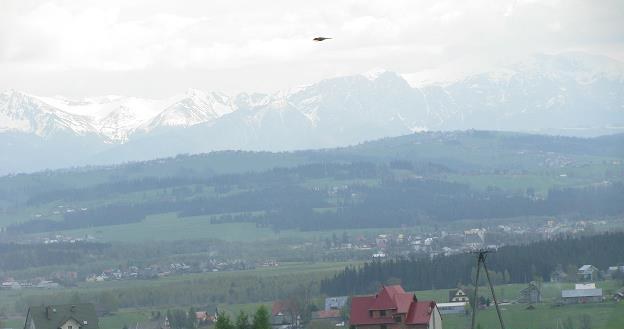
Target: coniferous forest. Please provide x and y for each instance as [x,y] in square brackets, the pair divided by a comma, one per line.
[510,264]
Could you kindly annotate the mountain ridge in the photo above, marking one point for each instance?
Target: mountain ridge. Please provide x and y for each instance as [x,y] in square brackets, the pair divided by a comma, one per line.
[564,94]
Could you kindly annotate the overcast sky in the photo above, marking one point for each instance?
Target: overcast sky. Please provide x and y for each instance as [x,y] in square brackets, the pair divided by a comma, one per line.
[157,48]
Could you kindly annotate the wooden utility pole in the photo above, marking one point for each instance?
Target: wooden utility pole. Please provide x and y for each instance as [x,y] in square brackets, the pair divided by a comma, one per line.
[481,255]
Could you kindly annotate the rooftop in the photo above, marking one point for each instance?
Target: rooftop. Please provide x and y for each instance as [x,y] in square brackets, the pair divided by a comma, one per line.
[53,316]
[390,298]
[581,293]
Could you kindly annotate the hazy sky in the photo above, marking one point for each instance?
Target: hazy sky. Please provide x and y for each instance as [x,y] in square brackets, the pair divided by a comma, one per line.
[158,48]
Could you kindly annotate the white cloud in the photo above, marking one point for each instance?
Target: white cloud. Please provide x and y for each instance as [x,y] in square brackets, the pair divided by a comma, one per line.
[113,45]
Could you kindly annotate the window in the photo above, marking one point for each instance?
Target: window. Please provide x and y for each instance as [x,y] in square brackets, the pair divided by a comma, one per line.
[381,313]
[397,319]
[69,327]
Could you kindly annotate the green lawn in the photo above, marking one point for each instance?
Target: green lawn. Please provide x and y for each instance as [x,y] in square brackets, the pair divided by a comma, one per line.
[170,227]
[603,315]
[607,315]
[125,318]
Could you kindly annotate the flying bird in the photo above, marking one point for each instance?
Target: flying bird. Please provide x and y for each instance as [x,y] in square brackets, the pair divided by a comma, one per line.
[320,39]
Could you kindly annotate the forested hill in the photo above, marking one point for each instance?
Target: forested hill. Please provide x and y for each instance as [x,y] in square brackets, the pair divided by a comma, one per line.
[461,150]
[510,264]
[393,182]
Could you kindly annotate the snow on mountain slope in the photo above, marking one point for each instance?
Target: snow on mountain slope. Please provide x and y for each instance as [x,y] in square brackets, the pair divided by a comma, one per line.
[26,113]
[115,118]
[546,93]
[194,108]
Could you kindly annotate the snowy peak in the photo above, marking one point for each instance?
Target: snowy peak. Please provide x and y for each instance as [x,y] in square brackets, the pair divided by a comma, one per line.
[567,90]
[375,74]
[26,113]
[194,108]
[118,124]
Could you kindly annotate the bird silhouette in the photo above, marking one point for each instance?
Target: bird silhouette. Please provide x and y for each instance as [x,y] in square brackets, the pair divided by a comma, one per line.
[320,39]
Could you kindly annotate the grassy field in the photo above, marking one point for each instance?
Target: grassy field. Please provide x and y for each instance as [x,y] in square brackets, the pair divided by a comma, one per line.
[170,227]
[276,281]
[607,315]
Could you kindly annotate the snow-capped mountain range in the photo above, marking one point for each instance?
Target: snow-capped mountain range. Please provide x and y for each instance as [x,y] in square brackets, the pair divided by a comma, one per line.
[113,118]
[567,93]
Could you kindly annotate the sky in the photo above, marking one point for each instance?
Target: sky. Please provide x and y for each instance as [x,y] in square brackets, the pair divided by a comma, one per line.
[157,48]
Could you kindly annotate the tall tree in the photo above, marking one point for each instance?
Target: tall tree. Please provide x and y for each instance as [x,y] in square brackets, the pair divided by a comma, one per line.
[242,321]
[261,319]
[224,322]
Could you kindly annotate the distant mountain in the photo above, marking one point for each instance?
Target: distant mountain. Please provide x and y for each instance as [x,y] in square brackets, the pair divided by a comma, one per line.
[571,94]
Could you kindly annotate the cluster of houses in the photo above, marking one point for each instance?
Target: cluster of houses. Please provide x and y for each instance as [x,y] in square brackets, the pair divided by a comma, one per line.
[448,243]
[386,245]
[61,238]
[156,270]
[37,284]
[390,308]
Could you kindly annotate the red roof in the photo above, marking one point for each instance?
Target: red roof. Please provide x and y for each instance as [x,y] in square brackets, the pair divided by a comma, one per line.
[280,307]
[390,298]
[420,312]
[329,314]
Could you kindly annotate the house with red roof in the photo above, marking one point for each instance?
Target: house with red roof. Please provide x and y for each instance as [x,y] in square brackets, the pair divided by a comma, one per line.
[393,308]
[284,315]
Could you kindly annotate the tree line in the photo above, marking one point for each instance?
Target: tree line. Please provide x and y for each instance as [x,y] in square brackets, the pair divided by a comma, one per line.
[392,203]
[514,264]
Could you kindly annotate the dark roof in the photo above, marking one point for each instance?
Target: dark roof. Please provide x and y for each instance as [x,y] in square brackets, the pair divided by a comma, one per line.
[390,298]
[53,316]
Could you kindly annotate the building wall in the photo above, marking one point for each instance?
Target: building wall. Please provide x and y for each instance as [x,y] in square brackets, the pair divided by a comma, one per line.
[582,300]
[70,323]
[453,310]
[377,313]
[435,322]
[459,299]
[29,324]
[378,326]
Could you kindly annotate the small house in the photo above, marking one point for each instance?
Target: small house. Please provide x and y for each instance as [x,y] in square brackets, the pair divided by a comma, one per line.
[457,295]
[393,308]
[283,315]
[74,316]
[558,276]
[335,303]
[327,315]
[587,273]
[619,295]
[581,296]
[531,294]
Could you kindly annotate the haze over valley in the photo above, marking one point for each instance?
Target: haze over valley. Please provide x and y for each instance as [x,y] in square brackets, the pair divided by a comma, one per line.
[326,164]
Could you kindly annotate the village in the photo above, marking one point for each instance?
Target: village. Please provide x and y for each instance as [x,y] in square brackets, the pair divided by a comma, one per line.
[337,247]
[391,306]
